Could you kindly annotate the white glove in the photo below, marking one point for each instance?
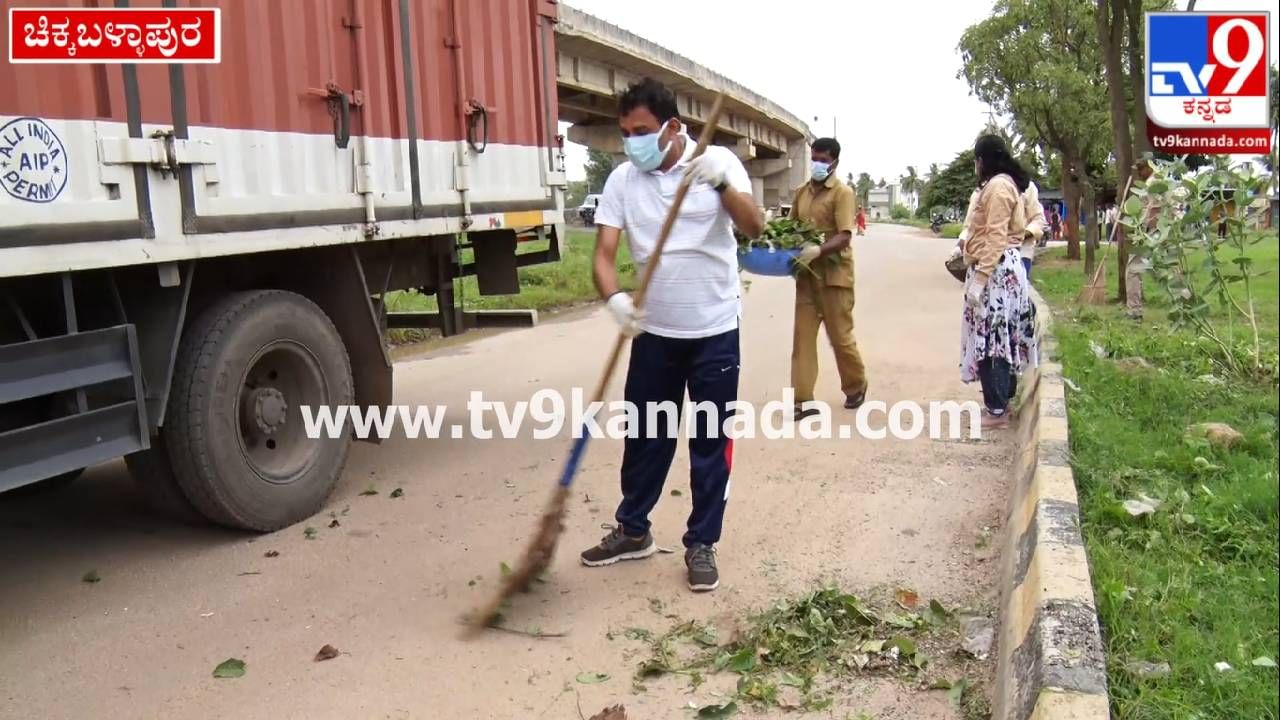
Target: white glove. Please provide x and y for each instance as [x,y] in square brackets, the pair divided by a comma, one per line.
[625,313]
[956,251]
[973,293]
[808,254]
[710,168]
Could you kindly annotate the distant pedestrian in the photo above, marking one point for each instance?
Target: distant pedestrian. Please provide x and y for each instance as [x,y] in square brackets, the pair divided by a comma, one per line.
[1055,224]
[1033,211]
[1137,265]
[862,221]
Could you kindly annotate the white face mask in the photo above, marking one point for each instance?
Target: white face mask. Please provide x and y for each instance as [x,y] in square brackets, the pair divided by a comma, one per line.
[820,170]
[646,151]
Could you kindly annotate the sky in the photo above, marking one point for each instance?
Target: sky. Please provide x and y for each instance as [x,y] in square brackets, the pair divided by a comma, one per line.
[884,72]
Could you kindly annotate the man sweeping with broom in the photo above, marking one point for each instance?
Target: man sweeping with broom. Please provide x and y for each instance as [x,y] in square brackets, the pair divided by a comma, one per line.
[686,337]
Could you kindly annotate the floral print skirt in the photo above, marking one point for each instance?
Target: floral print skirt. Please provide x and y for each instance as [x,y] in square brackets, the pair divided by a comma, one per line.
[1003,325]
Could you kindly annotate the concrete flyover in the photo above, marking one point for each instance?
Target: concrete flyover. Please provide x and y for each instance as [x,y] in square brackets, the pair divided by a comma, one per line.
[596,61]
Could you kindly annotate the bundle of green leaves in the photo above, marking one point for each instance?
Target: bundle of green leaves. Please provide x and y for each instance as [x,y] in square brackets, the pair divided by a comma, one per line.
[782,234]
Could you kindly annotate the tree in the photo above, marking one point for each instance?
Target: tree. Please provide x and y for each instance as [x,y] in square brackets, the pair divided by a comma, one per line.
[1038,62]
[1119,25]
[951,187]
[599,165]
[911,182]
[575,193]
[863,186]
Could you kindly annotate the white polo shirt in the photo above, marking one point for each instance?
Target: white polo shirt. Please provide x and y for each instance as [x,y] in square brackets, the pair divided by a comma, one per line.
[695,291]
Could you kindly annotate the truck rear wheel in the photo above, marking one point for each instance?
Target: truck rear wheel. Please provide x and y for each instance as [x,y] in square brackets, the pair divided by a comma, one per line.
[152,473]
[235,433]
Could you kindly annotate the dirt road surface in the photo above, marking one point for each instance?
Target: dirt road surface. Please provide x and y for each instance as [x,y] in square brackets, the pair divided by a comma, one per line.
[388,583]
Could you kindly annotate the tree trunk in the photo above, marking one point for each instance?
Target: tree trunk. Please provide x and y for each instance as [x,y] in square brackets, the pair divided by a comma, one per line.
[1071,198]
[1138,76]
[1111,27]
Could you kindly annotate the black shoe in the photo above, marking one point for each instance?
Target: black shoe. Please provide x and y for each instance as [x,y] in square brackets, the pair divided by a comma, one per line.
[701,561]
[617,546]
[803,412]
[853,402]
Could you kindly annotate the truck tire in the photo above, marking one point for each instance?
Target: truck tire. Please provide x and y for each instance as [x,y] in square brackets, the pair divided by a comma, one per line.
[152,473]
[235,431]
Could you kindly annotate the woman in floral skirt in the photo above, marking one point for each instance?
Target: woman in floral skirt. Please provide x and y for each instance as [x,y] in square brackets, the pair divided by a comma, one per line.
[999,320]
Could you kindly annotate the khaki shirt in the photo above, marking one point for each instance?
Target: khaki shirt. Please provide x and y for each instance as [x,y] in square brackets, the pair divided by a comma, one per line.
[829,208]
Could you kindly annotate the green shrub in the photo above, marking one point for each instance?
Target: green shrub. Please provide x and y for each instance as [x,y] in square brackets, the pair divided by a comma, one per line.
[951,231]
[900,212]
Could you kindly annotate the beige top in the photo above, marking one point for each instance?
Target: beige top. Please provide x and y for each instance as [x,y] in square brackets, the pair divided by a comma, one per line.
[997,223]
[1031,208]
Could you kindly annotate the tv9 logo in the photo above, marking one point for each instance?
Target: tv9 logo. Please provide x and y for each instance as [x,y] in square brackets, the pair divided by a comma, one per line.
[1208,73]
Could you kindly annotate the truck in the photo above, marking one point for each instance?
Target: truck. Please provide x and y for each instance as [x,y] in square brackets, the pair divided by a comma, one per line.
[189,253]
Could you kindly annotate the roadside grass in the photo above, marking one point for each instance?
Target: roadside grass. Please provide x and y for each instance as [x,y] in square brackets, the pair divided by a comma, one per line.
[546,286]
[1195,583]
[951,231]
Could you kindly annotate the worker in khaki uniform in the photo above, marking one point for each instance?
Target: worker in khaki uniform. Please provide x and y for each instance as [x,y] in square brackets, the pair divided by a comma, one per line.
[824,282]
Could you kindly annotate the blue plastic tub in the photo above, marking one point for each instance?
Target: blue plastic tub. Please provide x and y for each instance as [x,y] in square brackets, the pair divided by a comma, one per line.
[767,261]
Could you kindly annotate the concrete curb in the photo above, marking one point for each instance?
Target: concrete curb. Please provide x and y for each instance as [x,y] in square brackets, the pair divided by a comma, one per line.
[1050,663]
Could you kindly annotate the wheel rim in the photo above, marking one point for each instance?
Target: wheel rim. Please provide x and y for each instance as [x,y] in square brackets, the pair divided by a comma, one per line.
[281,377]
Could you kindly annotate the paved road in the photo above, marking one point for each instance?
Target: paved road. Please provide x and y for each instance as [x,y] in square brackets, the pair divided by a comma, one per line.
[387,585]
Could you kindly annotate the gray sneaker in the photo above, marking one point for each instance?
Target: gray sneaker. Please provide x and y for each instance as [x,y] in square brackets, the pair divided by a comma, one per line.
[701,561]
[617,546]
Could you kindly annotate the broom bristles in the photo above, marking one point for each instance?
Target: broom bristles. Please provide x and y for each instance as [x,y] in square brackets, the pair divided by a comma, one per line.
[536,559]
[1095,293]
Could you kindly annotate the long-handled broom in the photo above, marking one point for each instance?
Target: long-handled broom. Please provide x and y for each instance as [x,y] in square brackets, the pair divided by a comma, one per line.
[537,556]
[1095,293]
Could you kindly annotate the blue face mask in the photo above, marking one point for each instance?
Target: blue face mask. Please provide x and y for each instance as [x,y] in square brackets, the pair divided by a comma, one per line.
[821,170]
[643,150]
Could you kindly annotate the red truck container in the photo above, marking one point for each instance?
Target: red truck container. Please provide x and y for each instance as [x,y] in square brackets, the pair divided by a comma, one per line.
[188,253]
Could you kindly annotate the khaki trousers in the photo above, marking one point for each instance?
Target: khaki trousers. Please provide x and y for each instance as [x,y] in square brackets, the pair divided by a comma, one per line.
[819,304]
[1133,284]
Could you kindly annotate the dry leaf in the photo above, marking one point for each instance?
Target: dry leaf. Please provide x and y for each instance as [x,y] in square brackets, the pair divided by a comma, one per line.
[617,712]
[328,652]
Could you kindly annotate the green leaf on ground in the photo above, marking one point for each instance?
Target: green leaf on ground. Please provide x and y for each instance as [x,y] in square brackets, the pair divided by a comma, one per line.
[371,490]
[743,661]
[398,492]
[592,678]
[706,637]
[309,533]
[229,668]
[92,577]
[504,569]
[936,613]
[906,646]
[956,692]
[790,679]
[715,712]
